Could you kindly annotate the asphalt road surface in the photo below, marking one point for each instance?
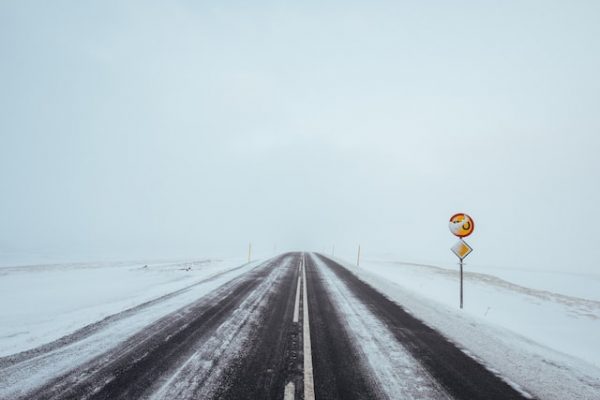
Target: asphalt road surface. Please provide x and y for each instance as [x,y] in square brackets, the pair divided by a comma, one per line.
[298,326]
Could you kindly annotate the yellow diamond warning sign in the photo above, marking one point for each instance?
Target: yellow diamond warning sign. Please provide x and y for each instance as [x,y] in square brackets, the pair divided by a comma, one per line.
[461,249]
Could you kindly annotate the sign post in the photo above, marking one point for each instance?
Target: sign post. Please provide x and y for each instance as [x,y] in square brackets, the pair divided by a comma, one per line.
[461,225]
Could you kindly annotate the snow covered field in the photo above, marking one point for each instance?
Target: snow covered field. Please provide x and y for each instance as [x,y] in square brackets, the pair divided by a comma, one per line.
[537,330]
[41,303]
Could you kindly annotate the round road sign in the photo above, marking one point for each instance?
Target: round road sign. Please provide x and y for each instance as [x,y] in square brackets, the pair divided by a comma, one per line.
[461,225]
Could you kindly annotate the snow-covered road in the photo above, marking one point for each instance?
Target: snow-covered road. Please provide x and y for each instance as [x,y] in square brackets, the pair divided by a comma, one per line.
[243,333]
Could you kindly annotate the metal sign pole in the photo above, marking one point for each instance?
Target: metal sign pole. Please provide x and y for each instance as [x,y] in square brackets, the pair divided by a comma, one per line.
[461,225]
[461,283]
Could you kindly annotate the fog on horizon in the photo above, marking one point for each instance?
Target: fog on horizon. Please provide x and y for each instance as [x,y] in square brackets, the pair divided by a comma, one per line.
[134,129]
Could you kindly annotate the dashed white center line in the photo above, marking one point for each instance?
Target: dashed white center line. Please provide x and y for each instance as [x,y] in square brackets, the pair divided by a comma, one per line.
[297,303]
[288,394]
[309,385]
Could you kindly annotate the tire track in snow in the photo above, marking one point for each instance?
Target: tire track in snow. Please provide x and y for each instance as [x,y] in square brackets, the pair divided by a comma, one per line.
[271,357]
[203,372]
[396,374]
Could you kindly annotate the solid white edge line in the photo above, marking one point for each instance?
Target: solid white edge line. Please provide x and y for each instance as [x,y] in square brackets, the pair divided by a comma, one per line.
[290,389]
[309,385]
[297,303]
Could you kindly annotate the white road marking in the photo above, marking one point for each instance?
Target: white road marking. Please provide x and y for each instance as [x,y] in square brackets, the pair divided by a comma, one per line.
[288,394]
[297,303]
[309,385]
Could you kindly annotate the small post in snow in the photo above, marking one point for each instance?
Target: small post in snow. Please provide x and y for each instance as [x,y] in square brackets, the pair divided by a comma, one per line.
[358,257]
[249,252]
[461,225]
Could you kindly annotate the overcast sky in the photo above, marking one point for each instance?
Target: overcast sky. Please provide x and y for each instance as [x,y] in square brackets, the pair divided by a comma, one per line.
[188,128]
